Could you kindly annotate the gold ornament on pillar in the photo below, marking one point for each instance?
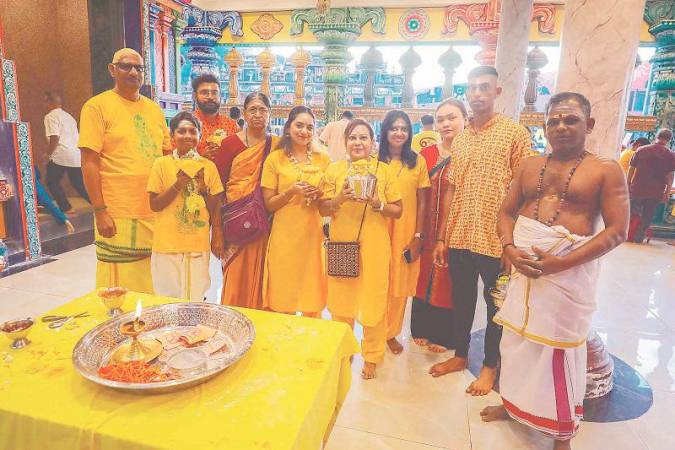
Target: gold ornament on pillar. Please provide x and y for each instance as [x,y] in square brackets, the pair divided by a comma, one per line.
[266,61]
[300,59]
[233,59]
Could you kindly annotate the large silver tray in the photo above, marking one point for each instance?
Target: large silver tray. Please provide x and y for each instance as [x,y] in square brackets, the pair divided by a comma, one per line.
[95,347]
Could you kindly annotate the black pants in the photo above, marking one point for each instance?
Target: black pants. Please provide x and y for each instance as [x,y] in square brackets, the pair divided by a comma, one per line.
[465,268]
[431,323]
[55,173]
[645,208]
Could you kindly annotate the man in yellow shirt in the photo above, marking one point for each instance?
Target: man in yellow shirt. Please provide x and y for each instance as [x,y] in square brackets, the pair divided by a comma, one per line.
[427,136]
[627,154]
[121,134]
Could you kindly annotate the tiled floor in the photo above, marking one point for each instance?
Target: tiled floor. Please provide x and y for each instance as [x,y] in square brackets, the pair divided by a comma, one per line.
[406,409]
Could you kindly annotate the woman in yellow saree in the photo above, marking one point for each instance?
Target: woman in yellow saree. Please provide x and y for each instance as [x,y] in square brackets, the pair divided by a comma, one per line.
[239,163]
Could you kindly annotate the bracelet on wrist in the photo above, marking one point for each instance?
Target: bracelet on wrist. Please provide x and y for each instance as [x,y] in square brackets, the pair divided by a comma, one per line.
[507,244]
[100,208]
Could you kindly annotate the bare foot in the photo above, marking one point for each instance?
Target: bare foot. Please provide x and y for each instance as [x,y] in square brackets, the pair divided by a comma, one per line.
[454,364]
[562,445]
[484,383]
[421,342]
[437,348]
[395,346]
[368,371]
[493,413]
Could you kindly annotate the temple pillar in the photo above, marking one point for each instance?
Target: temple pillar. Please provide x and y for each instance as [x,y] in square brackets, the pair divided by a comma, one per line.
[177,29]
[266,61]
[300,60]
[514,37]
[154,12]
[536,60]
[203,31]
[409,61]
[587,39]
[234,60]
[661,91]
[450,60]
[371,63]
[336,28]
[165,21]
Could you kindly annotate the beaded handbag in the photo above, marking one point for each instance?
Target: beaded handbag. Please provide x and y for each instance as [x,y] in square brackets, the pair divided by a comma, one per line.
[343,259]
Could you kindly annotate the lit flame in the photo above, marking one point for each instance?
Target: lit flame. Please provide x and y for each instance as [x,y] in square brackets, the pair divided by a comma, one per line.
[139,310]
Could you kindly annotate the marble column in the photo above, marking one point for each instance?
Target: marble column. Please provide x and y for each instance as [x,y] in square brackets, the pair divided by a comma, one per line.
[598,50]
[450,60]
[514,37]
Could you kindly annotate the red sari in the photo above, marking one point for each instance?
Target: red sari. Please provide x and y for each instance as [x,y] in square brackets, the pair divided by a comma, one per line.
[432,306]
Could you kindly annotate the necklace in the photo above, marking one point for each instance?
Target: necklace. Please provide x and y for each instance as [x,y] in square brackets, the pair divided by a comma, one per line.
[563,195]
[296,163]
[190,154]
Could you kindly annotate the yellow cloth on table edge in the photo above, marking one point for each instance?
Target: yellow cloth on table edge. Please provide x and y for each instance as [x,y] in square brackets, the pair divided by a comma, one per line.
[283,394]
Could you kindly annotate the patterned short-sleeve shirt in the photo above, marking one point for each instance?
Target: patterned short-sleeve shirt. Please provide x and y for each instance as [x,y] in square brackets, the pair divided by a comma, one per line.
[482,168]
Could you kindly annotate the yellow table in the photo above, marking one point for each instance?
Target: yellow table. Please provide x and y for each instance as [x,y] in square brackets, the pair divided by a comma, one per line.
[283,394]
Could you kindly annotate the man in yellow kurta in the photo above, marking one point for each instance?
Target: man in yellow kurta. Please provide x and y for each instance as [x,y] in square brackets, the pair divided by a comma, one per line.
[121,134]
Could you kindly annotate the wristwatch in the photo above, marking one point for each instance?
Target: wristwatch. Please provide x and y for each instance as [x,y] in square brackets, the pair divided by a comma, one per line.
[419,236]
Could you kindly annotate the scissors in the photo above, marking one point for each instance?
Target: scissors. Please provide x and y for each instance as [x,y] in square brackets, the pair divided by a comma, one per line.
[59,321]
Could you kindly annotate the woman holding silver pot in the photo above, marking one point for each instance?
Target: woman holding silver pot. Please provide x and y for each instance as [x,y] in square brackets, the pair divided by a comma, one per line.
[360,194]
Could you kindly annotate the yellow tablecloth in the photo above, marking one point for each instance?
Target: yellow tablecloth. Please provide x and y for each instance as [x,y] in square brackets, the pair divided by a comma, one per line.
[283,394]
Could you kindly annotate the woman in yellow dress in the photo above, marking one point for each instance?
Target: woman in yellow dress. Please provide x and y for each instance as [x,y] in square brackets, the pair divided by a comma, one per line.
[239,162]
[294,278]
[363,298]
[407,232]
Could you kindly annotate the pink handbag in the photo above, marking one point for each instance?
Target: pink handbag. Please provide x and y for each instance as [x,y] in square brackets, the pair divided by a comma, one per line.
[246,219]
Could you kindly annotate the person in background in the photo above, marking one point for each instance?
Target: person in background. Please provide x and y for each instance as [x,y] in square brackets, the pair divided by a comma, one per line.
[44,200]
[294,278]
[121,135]
[427,136]
[406,232]
[185,194]
[627,154]
[651,179]
[432,308]
[64,156]
[333,137]
[215,126]
[235,114]
[363,298]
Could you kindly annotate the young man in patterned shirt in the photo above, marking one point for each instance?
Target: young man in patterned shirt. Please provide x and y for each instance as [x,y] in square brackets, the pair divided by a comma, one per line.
[485,156]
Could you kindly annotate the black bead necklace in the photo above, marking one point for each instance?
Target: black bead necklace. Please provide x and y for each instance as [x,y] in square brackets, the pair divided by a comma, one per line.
[563,195]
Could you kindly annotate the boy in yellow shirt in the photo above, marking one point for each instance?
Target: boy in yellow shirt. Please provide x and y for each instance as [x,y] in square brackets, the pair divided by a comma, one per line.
[185,194]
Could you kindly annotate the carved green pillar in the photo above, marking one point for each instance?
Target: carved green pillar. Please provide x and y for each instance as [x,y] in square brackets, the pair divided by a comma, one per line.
[660,15]
[336,29]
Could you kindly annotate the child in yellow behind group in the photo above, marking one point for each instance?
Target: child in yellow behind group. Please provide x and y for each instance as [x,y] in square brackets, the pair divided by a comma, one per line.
[185,194]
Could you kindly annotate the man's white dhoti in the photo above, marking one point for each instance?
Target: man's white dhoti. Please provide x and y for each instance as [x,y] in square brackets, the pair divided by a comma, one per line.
[546,322]
[181,275]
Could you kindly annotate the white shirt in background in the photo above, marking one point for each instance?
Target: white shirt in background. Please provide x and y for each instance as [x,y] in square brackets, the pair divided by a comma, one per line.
[333,135]
[60,123]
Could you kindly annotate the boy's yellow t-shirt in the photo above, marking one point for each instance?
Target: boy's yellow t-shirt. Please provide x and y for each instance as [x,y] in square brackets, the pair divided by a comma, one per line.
[128,136]
[183,226]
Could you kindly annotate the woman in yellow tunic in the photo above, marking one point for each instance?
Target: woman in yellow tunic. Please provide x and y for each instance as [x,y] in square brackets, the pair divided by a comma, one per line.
[294,278]
[406,232]
[363,298]
[239,162]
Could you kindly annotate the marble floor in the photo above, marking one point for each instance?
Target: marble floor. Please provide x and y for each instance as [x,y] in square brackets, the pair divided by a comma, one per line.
[406,409]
